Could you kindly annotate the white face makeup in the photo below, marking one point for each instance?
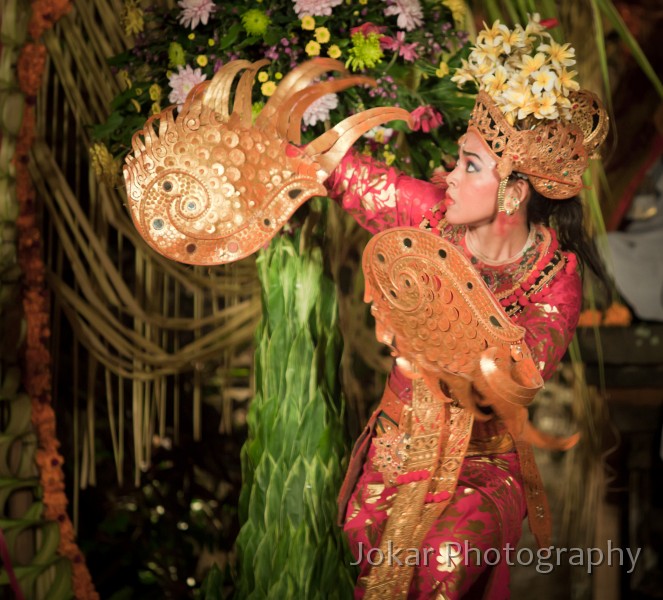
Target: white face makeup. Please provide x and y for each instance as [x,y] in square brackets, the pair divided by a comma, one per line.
[472,193]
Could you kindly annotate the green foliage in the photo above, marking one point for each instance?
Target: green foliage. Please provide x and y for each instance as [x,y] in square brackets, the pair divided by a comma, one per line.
[293,461]
[407,71]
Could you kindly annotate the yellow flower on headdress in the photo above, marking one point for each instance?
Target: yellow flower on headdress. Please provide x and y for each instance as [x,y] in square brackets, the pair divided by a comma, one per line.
[544,80]
[495,82]
[534,27]
[566,82]
[262,76]
[545,106]
[513,39]
[560,55]
[519,100]
[531,64]
[492,36]
[156,108]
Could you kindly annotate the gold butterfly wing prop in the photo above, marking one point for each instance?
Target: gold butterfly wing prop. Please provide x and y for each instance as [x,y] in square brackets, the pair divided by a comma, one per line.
[209,185]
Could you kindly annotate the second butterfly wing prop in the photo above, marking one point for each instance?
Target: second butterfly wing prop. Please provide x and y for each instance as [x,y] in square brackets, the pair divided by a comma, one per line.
[432,307]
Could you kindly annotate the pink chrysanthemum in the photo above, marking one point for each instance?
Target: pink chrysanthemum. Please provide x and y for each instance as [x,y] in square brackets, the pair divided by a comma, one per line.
[195,12]
[315,8]
[320,109]
[182,82]
[425,118]
[409,13]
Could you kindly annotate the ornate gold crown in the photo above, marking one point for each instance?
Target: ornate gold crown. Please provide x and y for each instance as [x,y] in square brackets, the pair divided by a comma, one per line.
[553,153]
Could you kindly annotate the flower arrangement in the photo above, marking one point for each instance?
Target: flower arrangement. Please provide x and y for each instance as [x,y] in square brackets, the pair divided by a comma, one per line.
[524,71]
[409,46]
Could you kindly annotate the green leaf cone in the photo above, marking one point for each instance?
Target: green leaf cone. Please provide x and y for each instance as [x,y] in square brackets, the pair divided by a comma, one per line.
[294,459]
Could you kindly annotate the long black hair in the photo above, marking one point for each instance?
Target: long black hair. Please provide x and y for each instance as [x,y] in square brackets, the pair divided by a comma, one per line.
[567,218]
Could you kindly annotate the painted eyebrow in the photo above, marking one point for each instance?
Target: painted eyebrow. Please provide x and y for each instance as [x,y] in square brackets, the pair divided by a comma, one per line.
[466,153]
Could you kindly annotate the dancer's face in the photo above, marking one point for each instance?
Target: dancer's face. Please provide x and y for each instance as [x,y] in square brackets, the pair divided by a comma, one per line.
[472,192]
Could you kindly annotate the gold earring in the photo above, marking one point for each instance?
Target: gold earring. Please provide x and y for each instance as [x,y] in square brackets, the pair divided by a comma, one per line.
[500,194]
[511,205]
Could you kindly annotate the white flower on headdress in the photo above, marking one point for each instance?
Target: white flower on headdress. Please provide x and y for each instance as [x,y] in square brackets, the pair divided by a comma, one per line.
[516,68]
[513,39]
[531,64]
[463,74]
[486,53]
[565,82]
[560,55]
[519,100]
[492,36]
[495,82]
[534,27]
[546,106]
[544,79]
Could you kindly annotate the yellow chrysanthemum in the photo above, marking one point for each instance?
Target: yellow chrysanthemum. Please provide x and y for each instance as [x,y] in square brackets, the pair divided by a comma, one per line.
[262,76]
[268,88]
[278,75]
[308,23]
[191,36]
[312,48]
[322,35]
[156,108]
[210,42]
[333,51]
[155,92]
[202,60]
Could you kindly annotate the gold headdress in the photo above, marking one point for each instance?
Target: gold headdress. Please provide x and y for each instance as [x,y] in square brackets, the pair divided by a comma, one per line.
[211,186]
[529,110]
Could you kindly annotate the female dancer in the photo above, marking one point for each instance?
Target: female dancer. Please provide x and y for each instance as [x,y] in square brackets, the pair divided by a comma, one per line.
[510,206]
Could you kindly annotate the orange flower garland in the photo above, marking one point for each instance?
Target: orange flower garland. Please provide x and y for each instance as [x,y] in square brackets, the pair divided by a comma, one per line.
[36,357]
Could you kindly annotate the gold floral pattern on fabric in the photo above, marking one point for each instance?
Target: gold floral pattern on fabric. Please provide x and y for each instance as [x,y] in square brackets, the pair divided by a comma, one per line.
[425,485]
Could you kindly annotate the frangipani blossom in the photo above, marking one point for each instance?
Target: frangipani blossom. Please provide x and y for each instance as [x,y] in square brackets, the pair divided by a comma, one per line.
[560,55]
[531,64]
[544,80]
[545,106]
